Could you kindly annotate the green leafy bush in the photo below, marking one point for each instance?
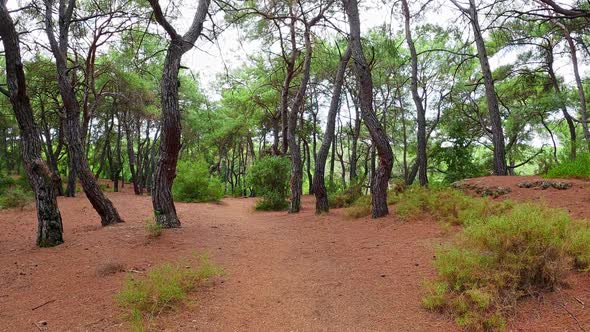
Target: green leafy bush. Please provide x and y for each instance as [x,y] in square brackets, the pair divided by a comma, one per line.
[346,197]
[193,184]
[15,198]
[162,289]
[269,177]
[6,182]
[579,168]
[500,257]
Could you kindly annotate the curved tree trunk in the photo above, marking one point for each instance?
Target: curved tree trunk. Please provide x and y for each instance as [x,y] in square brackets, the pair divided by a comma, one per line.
[162,201]
[421,158]
[103,206]
[568,118]
[380,182]
[319,183]
[49,227]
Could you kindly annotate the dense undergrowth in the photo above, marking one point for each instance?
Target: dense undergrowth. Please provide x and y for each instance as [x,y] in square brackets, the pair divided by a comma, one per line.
[162,289]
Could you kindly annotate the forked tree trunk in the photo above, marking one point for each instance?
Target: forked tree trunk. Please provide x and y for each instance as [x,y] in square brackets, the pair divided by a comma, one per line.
[49,227]
[381,177]
[422,158]
[319,183]
[103,206]
[163,203]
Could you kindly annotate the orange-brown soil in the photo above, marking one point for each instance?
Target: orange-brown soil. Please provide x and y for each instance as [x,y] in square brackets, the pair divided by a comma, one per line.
[283,272]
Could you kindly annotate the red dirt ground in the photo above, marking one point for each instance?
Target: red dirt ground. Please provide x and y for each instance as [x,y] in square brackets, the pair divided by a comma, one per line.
[284,272]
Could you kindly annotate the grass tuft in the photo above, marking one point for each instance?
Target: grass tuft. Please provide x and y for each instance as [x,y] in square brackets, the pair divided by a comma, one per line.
[578,168]
[153,229]
[162,289]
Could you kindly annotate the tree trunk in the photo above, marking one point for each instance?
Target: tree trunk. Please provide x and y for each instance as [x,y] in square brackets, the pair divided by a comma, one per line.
[500,167]
[568,118]
[319,185]
[163,203]
[579,84]
[422,160]
[49,226]
[380,181]
[103,206]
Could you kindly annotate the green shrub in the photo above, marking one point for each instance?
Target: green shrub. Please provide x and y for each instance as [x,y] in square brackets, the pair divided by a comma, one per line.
[163,288]
[360,208]
[579,168]
[346,197]
[153,229]
[23,183]
[6,182]
[15,198]
[269,177]
[446,205]
[193,184]
[499,258]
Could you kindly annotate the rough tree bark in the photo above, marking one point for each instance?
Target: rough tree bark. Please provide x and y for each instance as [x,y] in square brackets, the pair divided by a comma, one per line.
[500,167]
[162,201]
[380,182]
[76,151]
[319,183]
[421,158]
[49,226]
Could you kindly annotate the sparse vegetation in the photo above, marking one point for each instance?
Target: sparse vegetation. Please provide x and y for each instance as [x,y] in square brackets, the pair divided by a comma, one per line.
[153,229]
[163,288]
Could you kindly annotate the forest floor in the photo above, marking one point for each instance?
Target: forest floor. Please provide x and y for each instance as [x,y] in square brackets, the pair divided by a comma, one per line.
[283,272]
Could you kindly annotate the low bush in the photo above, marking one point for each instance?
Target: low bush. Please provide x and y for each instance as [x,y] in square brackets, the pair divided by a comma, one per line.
[163,288]
[269,177]
[446,205]
[500,257]
[153,229]
[578,168]
[15,198]
[347,196]
[360,208]
[193,184]
[6,182]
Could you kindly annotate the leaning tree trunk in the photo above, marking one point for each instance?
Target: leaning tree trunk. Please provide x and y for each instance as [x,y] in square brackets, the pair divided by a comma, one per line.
[568,118]
[380,181]
[579,84]
[319,183]
[76,151]
[422,160]
[162,201]
[49,227]
[500,167]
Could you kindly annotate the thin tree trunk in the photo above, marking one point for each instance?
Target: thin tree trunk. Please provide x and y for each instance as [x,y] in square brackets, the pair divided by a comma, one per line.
[500,167]
[421,112]
[321,194]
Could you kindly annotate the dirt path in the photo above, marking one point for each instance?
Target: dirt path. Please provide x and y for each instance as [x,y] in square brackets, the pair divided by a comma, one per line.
[284,272]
